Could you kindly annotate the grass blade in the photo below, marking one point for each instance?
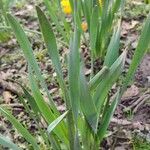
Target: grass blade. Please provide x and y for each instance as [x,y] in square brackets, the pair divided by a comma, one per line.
[6,142]
[36,117]
[28,52]
[56,122]
[74,69]
[117,4]
[86,11]
[106,84]
[93,83]
[143,45]
[55,19]
[113,48]
[20,128]
[31,101]
[29,98]
[50,41]
[45,109]
[87,105]
[73,73]
[94,28]
[107,116]
[53,53]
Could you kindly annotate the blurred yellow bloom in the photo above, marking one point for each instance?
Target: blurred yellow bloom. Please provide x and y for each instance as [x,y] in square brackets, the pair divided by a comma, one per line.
[101,2]
[66,7]
[84,26]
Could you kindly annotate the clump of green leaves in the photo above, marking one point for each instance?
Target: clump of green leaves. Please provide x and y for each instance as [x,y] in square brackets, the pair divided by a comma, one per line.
[88,107]
[101,18]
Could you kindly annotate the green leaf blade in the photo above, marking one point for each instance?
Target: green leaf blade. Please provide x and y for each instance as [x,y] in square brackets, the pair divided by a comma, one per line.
[106,84]
[45,109]
[93,83]
[113,48]
[20,128]
[50,41]
[73,72]
[6,142]
[87,105]
[28,53]
[94,24]
[107,116]
[143,45]
[56,122]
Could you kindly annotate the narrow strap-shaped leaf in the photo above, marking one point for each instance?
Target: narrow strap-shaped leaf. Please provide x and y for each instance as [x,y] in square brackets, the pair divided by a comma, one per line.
[28,53]
[35,116]
[51,45]
[55,19]
[113,48]
[73,73]
[74,69]
[86,11]
[106,5]
[105,30]
[54,142]
[87,105]
[29,98]
[78,16]
[31,101]
[107,116]
[117,4]
[6,142]
[71,4]
[20,128]
[143,45]
[85,132]
[93,83]
[56,122]
[106,84]
[50,41]
[45,109]
[94,24]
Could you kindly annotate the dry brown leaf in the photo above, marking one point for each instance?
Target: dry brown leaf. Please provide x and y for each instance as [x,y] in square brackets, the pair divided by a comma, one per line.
[132,91]
[7,97]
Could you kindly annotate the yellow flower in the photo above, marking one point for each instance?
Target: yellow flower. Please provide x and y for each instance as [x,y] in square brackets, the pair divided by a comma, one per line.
[84,26]
[101,2]
[66,7]
[65,4]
